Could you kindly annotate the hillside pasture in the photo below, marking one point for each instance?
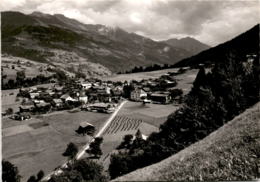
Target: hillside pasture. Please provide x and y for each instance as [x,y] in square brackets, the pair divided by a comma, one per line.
[11,65]
[139,76]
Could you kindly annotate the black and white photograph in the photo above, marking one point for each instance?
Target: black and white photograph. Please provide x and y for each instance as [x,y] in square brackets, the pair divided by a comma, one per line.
[130,90]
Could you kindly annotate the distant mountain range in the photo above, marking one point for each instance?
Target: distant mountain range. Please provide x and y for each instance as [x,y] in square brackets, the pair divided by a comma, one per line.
[243,44]
[189,44]
[61,41]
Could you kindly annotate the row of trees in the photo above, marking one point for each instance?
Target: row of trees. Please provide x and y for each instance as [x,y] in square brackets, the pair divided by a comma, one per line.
[22,81]
[216,97]
[153,67]
[84,169]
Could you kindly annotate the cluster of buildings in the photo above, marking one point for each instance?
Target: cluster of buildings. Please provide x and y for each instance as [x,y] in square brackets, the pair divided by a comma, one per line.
[95,95]
[91,96]
[158,91]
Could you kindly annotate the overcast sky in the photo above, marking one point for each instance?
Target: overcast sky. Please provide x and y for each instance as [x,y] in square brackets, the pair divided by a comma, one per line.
[211,22]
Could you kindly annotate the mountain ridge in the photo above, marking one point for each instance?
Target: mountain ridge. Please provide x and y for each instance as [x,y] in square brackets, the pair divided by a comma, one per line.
[113,48]
[188,43]
[242,44]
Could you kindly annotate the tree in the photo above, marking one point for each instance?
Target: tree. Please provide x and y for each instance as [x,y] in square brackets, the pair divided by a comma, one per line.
[9,111]
[128,89]
[20,76]
[89,170]
[94,147]
[126,143]
[138,142]
[200,78]
[119,165]
[71,151]
[40,175]
[32,179]
[10,172]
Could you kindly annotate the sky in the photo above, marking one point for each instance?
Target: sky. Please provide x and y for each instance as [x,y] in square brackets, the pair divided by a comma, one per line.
[209,21]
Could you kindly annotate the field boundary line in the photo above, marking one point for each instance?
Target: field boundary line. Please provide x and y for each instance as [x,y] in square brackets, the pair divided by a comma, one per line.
[82,152]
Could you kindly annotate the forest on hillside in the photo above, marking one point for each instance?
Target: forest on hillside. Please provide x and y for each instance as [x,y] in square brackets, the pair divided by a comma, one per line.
[216,97]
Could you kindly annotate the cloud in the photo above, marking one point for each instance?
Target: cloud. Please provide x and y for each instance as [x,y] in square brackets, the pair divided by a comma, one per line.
[209,21]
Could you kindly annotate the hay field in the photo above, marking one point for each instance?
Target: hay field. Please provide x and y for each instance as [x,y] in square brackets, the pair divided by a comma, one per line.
[33,145]
[154,114]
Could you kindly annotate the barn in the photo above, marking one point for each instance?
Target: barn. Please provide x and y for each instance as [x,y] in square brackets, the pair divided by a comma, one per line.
[85,128]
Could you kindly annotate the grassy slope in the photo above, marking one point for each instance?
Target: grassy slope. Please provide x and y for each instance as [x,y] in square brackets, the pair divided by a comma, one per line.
[230,153]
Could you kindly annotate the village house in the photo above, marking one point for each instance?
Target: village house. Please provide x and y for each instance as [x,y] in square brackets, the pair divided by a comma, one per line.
[83,98]
[34,95]
[138,94]
[21,116]
[101,107]
[57,102]
[26,108]
[86,85]
[57,88]
[66,98]
[43,107]
[160,98]
[35,101]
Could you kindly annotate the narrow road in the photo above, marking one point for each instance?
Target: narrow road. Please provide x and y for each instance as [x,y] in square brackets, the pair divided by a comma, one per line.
[82,151]
[109,120]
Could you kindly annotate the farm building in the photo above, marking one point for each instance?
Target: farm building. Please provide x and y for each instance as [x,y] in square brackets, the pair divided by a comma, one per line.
[34,94]
[85,128]
[57,102]
[26,108]
[160,98]
[43,107]
[66,98]
[101,107]
[21,116]
[58,88]
[138,94]
[86,85]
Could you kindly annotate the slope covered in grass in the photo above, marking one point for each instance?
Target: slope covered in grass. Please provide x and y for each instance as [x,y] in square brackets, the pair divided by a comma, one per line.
[230,153]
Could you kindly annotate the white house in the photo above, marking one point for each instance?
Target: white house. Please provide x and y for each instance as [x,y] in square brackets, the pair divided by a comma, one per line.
[138,94]
[83,99]
[34,94]
[86,85]
[66,98]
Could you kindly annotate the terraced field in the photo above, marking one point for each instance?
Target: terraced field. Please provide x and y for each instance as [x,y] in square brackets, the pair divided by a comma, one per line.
[122,123]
